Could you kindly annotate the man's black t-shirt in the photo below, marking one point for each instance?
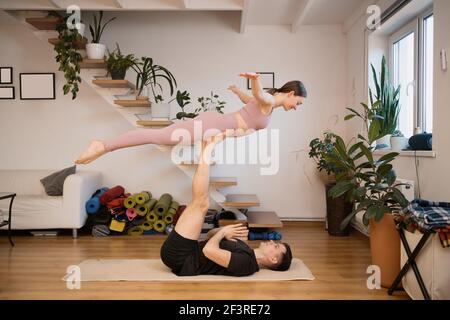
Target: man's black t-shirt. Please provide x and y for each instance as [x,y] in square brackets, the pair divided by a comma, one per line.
[242,263]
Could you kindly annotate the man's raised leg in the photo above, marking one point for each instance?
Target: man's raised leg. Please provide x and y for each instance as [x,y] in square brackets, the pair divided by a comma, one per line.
[190,223]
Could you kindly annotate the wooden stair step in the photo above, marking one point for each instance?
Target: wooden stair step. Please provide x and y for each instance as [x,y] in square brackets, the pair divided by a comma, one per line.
[133,103]
[110,83]
[263,219]
[256,219]
[241,200]
[221,182]
[44,23]
[93,64]
[79,44]
[154,123]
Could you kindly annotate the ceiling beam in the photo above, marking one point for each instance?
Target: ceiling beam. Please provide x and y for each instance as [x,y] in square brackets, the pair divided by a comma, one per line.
[244,15]
[301,15]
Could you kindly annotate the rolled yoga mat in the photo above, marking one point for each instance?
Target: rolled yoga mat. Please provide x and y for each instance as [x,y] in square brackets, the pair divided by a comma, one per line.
[135,231]
[131,213]
[151,216]
[93,204]
[143,197]
[159,226]
[142,209]
[151,204]
[130,202]
[172,211]
[111,194]
[147,225]
[163,204]
[168,218]
[174,205]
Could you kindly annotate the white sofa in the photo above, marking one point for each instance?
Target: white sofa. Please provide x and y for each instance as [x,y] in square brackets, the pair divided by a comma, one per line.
[33,210]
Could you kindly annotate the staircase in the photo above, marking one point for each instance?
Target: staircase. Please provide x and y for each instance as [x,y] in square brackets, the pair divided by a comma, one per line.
[119,95]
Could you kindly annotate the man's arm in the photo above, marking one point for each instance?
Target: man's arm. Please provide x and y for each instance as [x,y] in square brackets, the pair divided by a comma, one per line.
[211,233]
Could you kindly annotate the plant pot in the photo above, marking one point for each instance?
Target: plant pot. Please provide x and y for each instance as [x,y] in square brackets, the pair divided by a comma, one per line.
[385,248]
[118,74]
[337,210]
[399,143]
[160,110]
[384,142]
[95,50]
[326,178]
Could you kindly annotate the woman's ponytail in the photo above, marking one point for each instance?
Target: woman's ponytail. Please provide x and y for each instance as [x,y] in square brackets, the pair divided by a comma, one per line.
[273,91]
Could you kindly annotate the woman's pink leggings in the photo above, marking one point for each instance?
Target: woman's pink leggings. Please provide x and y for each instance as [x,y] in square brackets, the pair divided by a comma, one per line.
[186,132]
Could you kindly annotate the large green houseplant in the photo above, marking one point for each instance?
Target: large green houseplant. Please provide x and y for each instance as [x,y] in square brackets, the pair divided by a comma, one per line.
[372,185]
[337,208]
[96,50]
[389,107]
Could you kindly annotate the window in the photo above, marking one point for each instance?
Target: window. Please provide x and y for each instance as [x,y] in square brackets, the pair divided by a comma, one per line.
[411,63]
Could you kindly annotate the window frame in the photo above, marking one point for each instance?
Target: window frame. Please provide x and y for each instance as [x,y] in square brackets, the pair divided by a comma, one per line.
[416,25]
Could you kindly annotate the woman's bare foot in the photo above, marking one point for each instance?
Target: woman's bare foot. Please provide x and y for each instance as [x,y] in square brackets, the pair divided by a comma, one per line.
[96,149]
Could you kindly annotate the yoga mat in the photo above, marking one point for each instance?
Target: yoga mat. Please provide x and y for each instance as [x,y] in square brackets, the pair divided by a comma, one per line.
[147,225]
[142,209]
[143,197]
[112,194]
[152,216]
[155,270]
[116,203]
[131,213]
[135,231]
[159,225]
[92,205]
[163,204]
[151,204]
[174,205]
[168,218]
[129,202]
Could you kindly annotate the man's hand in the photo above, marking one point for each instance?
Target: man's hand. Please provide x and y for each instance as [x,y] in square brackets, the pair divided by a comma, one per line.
[233,231]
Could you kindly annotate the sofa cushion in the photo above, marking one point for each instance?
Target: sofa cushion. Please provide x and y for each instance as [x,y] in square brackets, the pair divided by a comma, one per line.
[54,183]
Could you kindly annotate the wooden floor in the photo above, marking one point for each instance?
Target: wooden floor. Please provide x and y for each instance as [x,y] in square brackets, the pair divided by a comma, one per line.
[34,269]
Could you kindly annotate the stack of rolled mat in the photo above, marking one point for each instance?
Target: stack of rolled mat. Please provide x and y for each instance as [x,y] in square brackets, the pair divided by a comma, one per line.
[143,197]
[143,209]
[93,204]
[111,194]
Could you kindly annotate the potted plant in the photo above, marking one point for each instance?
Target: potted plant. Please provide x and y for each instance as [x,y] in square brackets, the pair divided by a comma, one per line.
[211,103]
[371,185]
[183,99]
[148,77]
[398,141]
[318,149]
[118,64]
[68,57]
[388,110]
[96,50]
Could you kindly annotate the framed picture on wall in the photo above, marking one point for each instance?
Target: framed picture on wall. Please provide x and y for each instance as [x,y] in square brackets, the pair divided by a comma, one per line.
[267,80]
[37,86]
[7,93]
[6,75]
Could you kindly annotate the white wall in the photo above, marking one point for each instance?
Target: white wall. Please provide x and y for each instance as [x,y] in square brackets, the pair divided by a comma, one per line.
[205,52]
[433,172]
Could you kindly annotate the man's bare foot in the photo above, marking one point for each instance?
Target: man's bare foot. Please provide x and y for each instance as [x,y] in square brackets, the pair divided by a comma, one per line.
[96,149]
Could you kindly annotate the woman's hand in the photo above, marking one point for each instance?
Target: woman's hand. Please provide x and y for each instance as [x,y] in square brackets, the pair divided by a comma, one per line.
[233,88]
[250,75]
[233,231]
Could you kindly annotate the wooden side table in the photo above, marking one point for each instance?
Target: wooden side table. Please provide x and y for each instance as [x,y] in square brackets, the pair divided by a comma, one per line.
[8,195]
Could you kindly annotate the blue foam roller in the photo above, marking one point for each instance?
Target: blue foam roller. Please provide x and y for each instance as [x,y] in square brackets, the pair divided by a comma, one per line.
[93,205]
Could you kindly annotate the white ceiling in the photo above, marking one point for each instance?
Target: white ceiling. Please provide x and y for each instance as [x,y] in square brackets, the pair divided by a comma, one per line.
[254,12]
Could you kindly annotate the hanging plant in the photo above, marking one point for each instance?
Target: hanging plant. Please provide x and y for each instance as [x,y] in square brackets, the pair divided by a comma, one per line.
[68,57]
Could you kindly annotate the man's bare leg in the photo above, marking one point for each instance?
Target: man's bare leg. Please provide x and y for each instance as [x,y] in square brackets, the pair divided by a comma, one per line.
[190,223]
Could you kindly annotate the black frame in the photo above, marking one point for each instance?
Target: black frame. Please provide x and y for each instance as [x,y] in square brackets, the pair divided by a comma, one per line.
[9,222]
[10,68]
[273,80]
[30,73]
[13,92]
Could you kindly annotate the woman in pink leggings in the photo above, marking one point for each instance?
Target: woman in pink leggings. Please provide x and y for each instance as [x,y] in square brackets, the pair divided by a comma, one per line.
[254,115]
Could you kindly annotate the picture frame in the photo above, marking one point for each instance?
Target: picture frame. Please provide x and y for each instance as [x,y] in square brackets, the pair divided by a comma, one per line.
[267,80]
[7,93]
[37,86]
[6,75]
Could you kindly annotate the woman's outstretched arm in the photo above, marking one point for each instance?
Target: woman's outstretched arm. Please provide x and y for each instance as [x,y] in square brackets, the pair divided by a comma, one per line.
[244,97]
[264,98]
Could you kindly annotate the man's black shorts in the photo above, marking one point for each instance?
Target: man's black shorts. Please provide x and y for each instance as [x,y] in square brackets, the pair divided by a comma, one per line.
[176,251]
